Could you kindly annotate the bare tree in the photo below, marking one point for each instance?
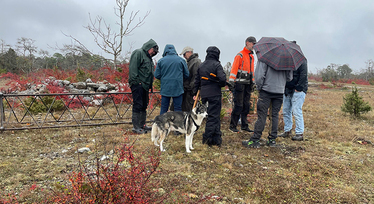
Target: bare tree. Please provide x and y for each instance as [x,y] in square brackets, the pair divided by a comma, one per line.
[3,46]
[26,45]
[108,40]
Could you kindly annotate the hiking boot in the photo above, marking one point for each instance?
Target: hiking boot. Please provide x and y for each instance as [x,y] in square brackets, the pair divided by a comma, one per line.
[138,131]
[247,129]
[271,143]
[298,137]
[234,130]
[285,134]
[251,144]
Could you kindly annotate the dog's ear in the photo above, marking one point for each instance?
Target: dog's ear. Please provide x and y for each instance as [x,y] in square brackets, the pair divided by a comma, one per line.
[206,104]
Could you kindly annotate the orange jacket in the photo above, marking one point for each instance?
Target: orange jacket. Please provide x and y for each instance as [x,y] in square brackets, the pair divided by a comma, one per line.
[243,63]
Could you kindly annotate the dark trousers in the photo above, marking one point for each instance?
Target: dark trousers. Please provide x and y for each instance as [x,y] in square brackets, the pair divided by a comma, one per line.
[140,98]
[242,97]
[265,101]
[188,101]
[212,134]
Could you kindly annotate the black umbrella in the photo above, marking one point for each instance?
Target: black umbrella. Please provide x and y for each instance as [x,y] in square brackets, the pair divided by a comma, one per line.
[279,53]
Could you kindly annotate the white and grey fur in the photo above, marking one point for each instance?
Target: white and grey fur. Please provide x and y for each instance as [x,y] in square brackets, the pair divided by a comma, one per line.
[184,122]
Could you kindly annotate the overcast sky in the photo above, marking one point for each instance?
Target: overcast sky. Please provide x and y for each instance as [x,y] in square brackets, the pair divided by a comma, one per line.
[328,31]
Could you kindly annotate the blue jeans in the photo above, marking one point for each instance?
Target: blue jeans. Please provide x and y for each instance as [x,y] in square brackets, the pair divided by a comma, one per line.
[165,102]
[293,106]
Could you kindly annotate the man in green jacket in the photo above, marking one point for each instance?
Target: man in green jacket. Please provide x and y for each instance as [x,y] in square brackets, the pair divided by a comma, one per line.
[140,80]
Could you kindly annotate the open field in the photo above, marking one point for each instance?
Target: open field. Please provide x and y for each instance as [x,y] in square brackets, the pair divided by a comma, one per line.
[333,165]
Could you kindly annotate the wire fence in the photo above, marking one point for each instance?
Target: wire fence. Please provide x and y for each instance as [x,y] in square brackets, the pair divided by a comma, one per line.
[41,111]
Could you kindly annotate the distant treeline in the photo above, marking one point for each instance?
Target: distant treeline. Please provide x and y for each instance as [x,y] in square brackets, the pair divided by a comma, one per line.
[26,58]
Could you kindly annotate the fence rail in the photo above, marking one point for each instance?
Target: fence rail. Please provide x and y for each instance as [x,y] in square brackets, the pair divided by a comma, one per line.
[40,111]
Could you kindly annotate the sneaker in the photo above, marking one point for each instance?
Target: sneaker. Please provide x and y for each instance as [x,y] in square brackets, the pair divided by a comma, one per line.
[285,134]
[271,143]
[234,130]
[298,137]
[247,129]
[251,144]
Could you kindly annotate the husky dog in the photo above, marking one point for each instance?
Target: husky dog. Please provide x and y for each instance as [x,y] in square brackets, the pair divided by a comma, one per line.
[184,122]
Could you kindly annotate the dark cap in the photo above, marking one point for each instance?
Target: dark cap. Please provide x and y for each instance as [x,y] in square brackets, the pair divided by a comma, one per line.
[251,39]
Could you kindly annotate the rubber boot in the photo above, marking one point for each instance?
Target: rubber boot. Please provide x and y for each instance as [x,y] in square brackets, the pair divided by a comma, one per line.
[136,124]
[143,119]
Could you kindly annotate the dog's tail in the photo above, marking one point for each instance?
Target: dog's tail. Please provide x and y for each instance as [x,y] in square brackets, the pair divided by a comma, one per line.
[154,132]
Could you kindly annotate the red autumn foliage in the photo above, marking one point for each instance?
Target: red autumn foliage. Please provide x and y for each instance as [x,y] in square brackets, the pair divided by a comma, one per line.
[126,180]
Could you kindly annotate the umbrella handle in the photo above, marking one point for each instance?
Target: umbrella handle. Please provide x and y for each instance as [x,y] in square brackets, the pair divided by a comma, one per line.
[196,99]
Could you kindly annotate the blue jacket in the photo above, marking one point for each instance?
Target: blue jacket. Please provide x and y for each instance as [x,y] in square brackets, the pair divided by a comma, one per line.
[171,69]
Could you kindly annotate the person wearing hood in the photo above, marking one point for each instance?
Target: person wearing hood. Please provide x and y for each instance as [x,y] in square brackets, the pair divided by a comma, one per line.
[140,80]
[210,78]
[171,70]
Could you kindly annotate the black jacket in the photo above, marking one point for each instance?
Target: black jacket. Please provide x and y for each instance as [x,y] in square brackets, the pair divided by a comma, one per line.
[212,86]
[299,81]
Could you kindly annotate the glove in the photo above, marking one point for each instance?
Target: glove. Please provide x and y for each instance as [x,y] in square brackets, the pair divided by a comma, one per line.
[231,85]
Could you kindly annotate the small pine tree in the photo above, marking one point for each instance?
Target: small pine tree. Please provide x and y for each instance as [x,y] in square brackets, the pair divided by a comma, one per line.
[354,105]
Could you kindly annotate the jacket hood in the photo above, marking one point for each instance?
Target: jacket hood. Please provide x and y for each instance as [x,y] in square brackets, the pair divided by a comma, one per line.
[148,45]
[213,53]
[169,50]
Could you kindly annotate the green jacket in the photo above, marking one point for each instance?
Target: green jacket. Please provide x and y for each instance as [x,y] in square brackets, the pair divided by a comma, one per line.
[141,66]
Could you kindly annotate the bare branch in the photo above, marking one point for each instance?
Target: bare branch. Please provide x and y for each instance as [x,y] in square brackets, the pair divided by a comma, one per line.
[77,41]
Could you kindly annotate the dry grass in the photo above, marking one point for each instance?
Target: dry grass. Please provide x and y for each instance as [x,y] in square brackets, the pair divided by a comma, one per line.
[333,164]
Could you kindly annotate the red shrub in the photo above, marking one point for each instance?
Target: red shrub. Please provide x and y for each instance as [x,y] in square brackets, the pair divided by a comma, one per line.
[127,180]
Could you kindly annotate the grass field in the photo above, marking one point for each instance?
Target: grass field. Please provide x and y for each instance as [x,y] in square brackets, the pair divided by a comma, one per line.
[333,165]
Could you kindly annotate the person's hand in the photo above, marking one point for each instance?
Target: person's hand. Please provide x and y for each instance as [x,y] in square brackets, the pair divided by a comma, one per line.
[231,85]
[194,98]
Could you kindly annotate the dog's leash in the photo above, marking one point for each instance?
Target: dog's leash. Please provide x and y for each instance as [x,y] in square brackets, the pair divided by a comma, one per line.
[196,99]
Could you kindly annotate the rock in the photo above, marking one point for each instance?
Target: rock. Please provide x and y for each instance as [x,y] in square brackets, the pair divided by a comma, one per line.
[111,87]
[102,88]
[89,80]
[93,85]
[84,149]
[104,157]
[66,82]
[87,98]
[80,85]
[97,102]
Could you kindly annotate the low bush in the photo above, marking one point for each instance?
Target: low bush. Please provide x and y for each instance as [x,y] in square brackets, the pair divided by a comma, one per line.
[354,104]
[43,104]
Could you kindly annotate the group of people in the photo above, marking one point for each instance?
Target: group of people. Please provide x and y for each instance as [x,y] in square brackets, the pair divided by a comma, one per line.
[181,79]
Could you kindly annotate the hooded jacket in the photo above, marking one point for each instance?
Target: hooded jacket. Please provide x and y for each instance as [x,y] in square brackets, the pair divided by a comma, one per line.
[141,66]
[211,87]
[299,81]
[171,69]
[271,80]
[193,63]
